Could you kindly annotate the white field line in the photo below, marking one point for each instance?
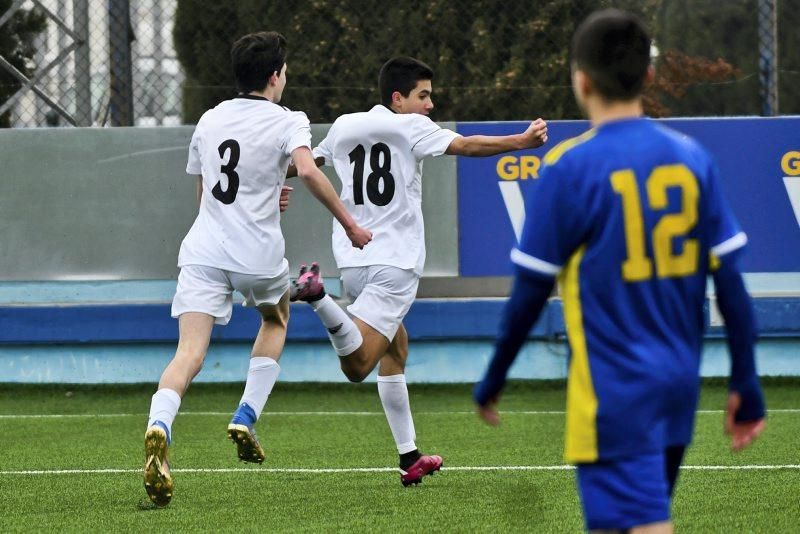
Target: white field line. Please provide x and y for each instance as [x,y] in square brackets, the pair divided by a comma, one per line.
[331,413]
[377,469]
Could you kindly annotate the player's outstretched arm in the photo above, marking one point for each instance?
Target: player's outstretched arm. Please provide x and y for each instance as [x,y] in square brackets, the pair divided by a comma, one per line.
[321,188]
[489,145]
[745,411]
[528,298]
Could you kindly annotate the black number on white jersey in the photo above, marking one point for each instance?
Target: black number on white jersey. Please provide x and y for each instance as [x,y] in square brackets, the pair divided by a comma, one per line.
[380,167]
[229,170]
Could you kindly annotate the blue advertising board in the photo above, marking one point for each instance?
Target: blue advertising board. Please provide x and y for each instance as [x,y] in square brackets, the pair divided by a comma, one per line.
[759,161]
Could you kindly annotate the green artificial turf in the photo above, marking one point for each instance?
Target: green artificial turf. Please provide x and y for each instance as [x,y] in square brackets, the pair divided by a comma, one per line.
[341,426]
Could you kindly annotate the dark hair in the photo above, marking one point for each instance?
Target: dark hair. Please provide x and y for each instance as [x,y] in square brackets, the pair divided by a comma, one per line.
[401,74]
[613,48]
[255,57]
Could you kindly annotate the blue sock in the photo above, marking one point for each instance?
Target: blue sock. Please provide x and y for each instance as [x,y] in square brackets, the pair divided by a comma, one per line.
[163,425]
[244,415]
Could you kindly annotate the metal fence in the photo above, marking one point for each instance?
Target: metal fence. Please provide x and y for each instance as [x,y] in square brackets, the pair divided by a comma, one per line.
[97,62]
[114,62]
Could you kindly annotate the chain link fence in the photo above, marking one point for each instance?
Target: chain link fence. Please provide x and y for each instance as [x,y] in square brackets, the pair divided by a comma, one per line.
[94,63]
[163,62]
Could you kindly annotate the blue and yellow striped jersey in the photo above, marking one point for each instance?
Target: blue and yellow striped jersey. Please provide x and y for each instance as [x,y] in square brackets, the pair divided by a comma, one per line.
[630,217]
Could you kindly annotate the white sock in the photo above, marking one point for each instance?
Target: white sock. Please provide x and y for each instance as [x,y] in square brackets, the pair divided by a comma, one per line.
[342,331]
[261,378]
[394,397]
[164,407]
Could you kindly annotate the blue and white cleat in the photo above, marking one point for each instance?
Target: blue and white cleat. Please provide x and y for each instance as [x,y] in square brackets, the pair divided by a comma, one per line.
[157,478]
[240,431]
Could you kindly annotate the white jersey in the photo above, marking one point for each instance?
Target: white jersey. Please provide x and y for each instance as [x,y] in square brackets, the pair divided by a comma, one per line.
[242,148]
[378,157]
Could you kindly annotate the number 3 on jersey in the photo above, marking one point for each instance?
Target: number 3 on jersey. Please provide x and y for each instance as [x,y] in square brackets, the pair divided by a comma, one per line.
[381,168]
[229,195]
[638,266]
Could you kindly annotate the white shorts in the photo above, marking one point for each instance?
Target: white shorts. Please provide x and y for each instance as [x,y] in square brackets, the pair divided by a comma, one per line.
[381,295]
[210,290]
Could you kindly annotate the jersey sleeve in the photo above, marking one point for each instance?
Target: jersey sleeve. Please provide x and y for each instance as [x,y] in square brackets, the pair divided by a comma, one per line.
[723,230]
[298,132]
[428,138]
[193,165]
[556,223]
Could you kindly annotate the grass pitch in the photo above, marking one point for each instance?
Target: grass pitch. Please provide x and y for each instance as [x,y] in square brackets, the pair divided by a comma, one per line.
[72,455]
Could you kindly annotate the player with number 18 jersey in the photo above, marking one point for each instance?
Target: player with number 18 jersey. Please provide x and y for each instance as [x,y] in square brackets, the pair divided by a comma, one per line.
[378,156]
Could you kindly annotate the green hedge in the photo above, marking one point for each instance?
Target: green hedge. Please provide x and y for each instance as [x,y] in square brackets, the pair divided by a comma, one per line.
[494,59]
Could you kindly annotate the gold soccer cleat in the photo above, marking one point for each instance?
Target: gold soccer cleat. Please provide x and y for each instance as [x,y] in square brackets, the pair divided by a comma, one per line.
[248,447]
[157,478]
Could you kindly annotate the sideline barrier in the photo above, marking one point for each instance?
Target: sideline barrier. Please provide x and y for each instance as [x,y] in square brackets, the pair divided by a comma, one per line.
[429,319]
[140,204]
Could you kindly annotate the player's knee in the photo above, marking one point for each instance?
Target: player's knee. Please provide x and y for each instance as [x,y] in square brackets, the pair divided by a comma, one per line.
[275,318]
[356,377]
[278,321]
[190,357]
[400,355]
[354,374]
[275,315]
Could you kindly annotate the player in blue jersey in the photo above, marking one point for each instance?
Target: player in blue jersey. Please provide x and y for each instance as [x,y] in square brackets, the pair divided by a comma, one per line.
[631,219]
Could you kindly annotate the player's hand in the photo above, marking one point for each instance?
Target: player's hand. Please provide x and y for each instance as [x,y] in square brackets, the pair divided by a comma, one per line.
[284,200]
[536,134]
[359,237]
[489,412]
[742,433]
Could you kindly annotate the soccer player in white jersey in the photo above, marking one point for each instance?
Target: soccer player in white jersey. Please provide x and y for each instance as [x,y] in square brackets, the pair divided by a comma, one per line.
[240,151]
[378,156]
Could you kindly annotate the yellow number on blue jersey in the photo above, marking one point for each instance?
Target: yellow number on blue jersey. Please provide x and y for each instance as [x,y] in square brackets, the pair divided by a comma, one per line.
[638,267]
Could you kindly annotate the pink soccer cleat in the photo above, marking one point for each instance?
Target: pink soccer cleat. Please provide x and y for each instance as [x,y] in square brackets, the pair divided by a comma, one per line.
[426,465]
[308,287]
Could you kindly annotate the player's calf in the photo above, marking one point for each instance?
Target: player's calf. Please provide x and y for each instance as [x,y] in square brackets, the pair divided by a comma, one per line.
[157,478]
[342,331]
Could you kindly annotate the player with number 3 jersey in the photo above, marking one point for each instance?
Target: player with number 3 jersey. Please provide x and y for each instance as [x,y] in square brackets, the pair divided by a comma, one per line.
[240,151]
[378,157]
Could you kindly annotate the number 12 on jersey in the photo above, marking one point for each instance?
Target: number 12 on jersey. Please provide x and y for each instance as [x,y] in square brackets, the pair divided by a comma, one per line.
[381,167]
[638,267]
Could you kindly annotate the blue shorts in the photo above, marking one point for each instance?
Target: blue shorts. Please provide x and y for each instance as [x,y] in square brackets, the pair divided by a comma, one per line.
[624,492]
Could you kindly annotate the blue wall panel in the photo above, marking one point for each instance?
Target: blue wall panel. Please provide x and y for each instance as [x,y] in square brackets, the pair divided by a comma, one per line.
[442,320]
[758,159]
